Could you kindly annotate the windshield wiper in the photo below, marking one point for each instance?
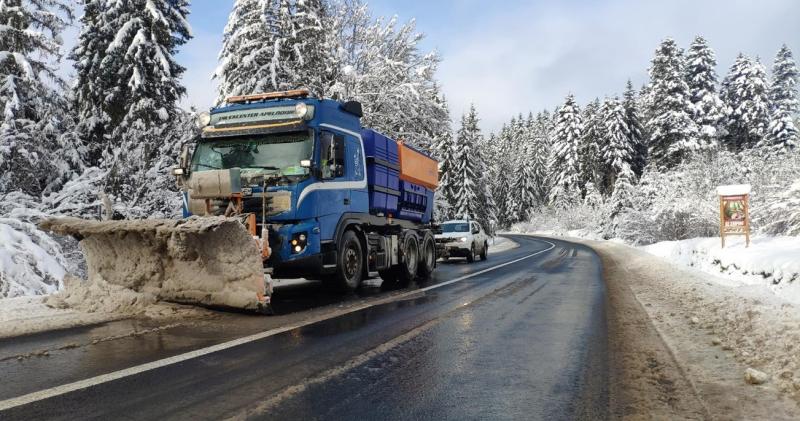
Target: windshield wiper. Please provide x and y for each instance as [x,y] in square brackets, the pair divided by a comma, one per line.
[208,166]
[264,167]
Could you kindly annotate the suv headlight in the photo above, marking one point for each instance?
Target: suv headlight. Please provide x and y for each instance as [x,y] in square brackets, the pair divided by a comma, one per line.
[463,239]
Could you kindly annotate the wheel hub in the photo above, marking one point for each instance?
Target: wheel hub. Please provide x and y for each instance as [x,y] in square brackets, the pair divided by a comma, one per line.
[350,262]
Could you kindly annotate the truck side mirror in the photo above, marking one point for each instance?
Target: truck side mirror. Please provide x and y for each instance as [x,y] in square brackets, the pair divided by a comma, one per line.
[184,159]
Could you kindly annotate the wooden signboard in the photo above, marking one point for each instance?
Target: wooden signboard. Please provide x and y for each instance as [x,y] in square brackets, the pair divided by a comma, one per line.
[734,211]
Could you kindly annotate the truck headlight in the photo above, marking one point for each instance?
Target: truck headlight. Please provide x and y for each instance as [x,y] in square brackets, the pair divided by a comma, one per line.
[302,110]
[299,242]
[463,239]
[203,119]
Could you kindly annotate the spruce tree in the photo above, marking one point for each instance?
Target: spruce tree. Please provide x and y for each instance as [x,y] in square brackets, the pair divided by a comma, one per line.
[32,158]
[148,88]
[623,198]
[745,92]
[446,152]
[782,133]
[467,171]
[707,107]
[673,133]
[93,82]
[617,153]
[249,61]
[591,163]
[632,120]
[525,182]
[542,154]
[565,162]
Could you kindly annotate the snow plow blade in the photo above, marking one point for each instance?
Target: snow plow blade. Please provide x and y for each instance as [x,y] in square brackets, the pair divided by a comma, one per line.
[209,261]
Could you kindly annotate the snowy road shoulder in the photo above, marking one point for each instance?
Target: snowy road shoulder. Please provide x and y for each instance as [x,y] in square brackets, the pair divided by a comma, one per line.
[772,263]
[720,333]
[500,244]
[83,303]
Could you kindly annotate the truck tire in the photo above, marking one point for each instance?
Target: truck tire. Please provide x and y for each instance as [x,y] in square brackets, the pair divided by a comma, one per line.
[471,255]
[427,261]
[485,251]
[350,264]
[407,271]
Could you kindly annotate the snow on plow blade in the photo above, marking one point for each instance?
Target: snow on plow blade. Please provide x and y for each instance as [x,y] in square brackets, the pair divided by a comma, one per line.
[210,261]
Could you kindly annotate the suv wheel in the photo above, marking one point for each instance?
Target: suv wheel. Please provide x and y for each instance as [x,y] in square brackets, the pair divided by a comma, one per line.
[471,255]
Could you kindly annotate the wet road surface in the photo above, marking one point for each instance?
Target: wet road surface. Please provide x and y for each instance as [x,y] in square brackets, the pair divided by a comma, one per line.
[525,340]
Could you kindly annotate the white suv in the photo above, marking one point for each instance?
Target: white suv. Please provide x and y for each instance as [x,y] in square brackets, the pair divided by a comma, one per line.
[462,239]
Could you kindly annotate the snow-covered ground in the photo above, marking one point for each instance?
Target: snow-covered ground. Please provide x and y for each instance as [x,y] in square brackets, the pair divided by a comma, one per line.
[719,331]
[84,303]
[29,260]
[500,244]
[772,263]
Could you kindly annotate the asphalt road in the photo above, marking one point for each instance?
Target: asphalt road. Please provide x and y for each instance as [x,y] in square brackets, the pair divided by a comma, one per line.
[521,336]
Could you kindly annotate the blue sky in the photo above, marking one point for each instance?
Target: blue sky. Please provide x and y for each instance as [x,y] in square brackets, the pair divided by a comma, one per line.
[514,56]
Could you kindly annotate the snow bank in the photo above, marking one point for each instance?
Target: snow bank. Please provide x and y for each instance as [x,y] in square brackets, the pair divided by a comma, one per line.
[501,244]
[30,261]
[84,303]
[773,262]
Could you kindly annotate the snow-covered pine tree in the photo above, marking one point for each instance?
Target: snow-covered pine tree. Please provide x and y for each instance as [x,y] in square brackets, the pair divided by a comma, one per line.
[593,199]
[565,162]
[249,61]
[307,49]
[32,120]
[487,206]
[617,152]
[92,81]
[784,212]
[525,184]
[633,121]
[467,175]
[782,133]
[148,86]
[507,203]
[707,107]
[591,163]
[542,154]
[673,133]
[745,92]
[623,198]
[446,152]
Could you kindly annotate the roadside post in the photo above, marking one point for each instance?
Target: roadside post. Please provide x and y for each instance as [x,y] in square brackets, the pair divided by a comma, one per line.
[734,211]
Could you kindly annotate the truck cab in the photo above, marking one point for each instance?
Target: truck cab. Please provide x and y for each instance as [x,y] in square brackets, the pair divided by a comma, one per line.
[296,165]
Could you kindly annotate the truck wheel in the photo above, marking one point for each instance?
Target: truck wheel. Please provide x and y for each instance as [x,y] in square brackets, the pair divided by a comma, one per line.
[485,251]
[471,256]
[349,268]
[427,261]
[408,267]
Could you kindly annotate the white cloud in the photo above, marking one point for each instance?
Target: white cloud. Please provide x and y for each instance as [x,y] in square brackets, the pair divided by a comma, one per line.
[531,56]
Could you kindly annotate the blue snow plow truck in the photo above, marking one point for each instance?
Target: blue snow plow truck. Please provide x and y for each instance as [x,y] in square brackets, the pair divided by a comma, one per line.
[323,197]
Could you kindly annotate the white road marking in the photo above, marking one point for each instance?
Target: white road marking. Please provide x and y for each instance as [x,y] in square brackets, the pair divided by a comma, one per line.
[131,371]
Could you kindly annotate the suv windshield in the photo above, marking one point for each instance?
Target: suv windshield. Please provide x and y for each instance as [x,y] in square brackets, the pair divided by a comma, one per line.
[456,227]
[281,152]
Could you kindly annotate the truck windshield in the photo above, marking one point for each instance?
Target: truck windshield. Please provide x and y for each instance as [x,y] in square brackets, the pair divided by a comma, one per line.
[455,227]
[279,152]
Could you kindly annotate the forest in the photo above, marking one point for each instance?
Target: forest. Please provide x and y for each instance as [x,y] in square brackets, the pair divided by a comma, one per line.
[641,166]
